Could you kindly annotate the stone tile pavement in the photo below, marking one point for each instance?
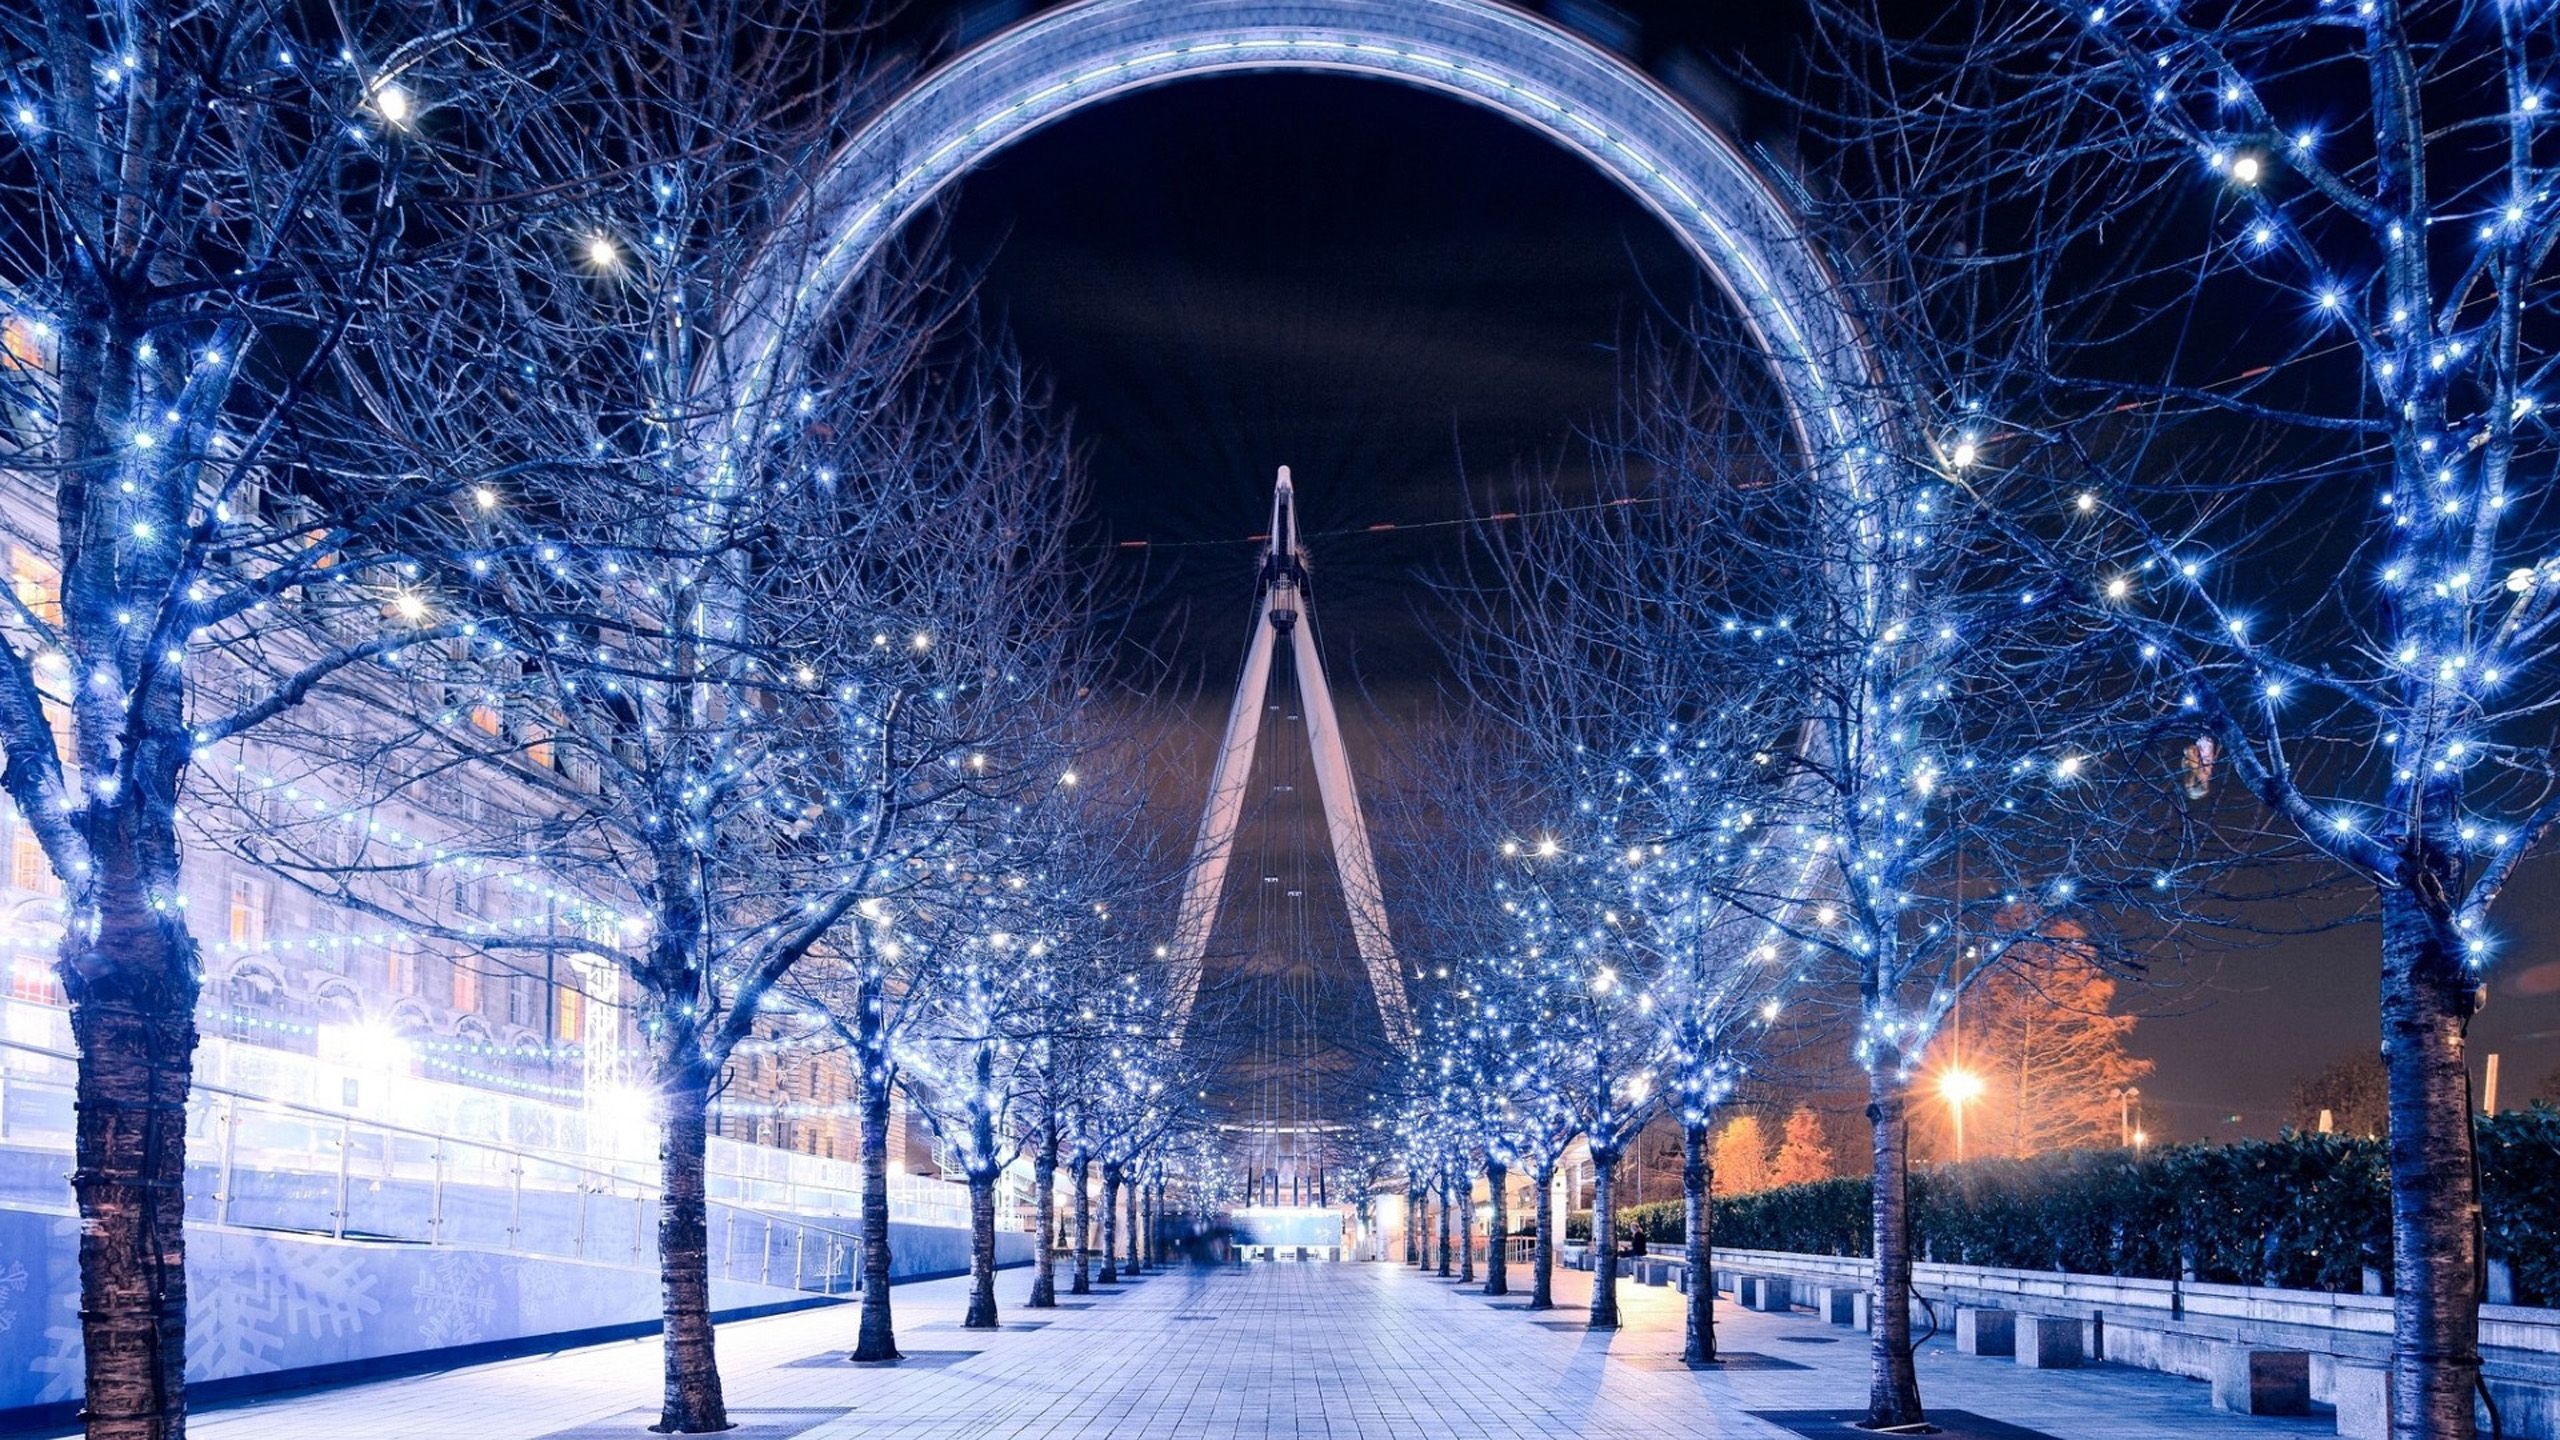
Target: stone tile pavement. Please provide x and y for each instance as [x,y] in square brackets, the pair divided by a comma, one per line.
[1283,1352]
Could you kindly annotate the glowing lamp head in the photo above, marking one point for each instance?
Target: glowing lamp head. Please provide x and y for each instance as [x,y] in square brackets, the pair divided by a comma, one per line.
[1959,1087]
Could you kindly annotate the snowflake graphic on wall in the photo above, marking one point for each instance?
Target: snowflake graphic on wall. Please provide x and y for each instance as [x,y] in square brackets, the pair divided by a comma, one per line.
[13,1283]
[454,1301]
[249,1308]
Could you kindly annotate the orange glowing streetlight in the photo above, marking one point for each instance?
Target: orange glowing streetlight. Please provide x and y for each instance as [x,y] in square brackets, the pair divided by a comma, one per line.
[1957,1088]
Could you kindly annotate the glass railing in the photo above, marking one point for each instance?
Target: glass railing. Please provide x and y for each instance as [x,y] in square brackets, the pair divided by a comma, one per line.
[607,1130]
[254,1162]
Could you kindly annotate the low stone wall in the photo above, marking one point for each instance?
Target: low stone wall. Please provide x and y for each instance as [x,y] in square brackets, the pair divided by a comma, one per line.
[272,1308]
[2177,1327]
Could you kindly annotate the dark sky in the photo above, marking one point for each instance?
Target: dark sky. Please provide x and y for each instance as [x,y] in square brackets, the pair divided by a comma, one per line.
[1386,291]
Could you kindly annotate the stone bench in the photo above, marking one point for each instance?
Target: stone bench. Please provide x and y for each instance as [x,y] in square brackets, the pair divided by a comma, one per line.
[2049,1342]
[1986,1332]
[2252,1380]
[2362,1394]
[1841,1305]
[1772,1294]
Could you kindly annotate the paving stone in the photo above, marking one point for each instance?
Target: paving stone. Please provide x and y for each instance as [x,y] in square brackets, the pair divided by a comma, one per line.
[1296,1352]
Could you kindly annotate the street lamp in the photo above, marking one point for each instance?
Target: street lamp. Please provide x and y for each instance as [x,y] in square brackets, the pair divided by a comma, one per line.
[2125,1096]
[1957,1087]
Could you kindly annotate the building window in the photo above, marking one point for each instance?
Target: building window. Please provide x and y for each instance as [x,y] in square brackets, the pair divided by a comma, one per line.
[466,988]
[32,979]
[524,1001]
[570,1015]
[29,870]
[248,913]
[38,585]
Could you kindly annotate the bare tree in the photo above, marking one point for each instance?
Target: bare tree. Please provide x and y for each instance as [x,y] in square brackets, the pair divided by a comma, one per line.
[2263,285]
[204,208]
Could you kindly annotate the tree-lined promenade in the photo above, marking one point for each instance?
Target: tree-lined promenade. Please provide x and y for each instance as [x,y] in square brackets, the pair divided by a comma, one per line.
[467,427]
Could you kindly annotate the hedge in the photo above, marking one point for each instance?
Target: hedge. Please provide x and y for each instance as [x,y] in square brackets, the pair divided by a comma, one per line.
[2304,1212]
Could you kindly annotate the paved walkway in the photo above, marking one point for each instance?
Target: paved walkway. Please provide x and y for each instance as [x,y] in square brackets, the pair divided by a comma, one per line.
[1286,1352]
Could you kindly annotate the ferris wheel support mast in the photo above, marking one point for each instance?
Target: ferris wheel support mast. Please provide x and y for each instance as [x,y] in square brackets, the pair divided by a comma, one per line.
[1281,612]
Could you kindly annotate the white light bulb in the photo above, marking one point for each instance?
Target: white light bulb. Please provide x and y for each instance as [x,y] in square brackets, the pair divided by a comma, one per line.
[392,103]
[2245,169]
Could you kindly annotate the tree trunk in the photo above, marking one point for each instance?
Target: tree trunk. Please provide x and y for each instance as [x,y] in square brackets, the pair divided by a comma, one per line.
[692,1403]
[1129,1243]
[1110,1222]
[1893,1382]
[1497,1275]
[1444,1225]
[982,1251]
[1044,1205]
[878,1337]
[1604,1241]
[1083,1282]
[137,1045]
[2427,1000]
[1542,1266]
[1466,1228]
[1697,1179]
[1416,1202]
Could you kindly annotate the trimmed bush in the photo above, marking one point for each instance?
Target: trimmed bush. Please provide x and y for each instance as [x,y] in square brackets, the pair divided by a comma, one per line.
[2302,1212]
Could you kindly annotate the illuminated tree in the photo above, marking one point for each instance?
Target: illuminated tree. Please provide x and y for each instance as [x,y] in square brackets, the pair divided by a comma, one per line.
[2266,284]
[2044,1041]
[208,210]
[1804,1154]
[1742,1156]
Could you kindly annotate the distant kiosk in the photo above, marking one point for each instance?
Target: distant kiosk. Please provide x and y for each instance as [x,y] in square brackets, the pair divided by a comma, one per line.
[1282,610]
[1265,1233]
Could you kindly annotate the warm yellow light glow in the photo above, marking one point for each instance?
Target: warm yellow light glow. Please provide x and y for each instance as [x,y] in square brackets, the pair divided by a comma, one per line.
[602,253]
[1958,1087]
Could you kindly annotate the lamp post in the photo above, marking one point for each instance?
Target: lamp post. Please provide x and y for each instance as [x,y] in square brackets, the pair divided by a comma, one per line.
[2125,1097]
[1957,1087]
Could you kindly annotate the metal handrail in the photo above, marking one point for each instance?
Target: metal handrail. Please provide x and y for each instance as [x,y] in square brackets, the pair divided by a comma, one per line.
[590,1178]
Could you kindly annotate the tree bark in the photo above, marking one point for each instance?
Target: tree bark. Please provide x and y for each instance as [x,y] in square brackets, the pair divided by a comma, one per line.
[136,1044]
[1444,1224]
[1893,1382]
[2427,1000]
[1697,1179]
[982,1252]
[1497,1274]
[1044,1206]
[1110,1222]
[1083,1282]
[877,1338]
[1466,1228]
[1604,1240]
[1416,1205]
[1542,1266]
[692,1403]
[1129,1243]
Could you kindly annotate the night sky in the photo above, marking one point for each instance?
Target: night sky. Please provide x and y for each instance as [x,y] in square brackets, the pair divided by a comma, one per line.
[1400,297]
